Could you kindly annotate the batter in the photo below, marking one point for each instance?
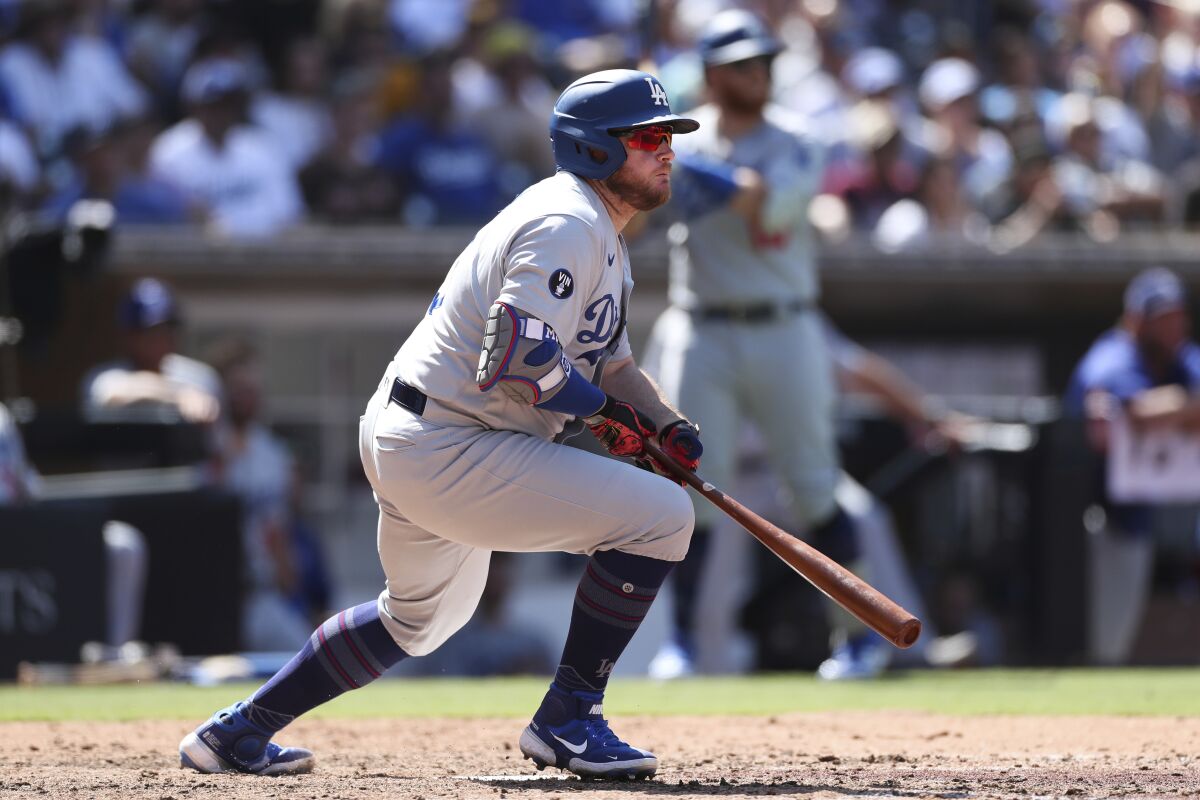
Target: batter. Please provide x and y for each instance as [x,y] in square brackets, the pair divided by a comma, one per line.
[525,335]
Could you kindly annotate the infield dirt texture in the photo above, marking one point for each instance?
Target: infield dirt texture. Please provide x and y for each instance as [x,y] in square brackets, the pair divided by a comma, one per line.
[810,754]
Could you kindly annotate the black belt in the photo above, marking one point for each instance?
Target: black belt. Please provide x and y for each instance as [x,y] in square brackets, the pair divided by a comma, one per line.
[754,312]
[408,397]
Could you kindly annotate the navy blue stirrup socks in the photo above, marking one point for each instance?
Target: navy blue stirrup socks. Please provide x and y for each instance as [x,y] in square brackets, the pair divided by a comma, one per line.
[614,594]
[349,650]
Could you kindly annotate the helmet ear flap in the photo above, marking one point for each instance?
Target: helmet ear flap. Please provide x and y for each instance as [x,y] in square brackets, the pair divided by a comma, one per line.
[586,157]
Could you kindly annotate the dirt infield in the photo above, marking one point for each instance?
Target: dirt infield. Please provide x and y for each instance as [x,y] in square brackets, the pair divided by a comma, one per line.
[876,755]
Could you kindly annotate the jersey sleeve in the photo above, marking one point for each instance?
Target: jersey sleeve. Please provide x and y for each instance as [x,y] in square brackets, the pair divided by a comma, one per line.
[699,185]
[1109,369]
[550,271]
[623,349]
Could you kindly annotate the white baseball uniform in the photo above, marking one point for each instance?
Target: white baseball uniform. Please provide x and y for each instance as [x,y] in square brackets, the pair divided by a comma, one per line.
[741,338]
[477,472]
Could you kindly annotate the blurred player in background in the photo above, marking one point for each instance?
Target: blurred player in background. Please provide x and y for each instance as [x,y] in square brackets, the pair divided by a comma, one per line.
[535,307]
[743,337]
[152,378]
[1147,370]
[931,430]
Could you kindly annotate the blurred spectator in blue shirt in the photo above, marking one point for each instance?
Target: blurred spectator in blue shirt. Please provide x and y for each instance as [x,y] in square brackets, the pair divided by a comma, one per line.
[562,22]
[447,170]
[104,172]
[1150,349]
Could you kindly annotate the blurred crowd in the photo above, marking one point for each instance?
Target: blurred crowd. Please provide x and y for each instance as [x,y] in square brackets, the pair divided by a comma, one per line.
[992,119]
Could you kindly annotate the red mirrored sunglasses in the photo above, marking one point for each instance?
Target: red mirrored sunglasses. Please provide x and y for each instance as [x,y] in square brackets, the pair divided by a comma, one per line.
[649,138]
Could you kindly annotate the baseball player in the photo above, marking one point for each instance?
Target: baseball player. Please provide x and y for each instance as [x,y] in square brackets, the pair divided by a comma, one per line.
[742,337]
[1147,369]
[525,335]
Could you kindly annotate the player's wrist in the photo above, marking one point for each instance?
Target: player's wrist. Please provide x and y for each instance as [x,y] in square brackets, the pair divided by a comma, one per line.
[603,412]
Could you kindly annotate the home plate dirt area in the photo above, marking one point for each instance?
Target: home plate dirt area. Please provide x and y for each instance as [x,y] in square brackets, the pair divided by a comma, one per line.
[854,754]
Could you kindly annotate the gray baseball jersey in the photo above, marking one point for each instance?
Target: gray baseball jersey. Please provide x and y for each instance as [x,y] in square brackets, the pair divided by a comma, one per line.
[553,253]
[477,472]
[720,261]
[773,369]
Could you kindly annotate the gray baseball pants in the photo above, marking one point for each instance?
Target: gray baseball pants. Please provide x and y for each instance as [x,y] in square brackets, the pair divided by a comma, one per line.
[450,493]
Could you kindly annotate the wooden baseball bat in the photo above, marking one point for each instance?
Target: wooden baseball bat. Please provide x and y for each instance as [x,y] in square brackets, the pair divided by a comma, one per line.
[836,582]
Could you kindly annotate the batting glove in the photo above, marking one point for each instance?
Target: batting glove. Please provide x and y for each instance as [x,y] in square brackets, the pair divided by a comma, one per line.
[621,428]
[680,441]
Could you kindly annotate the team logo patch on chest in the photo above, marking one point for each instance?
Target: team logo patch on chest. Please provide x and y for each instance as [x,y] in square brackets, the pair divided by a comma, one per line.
[562,285]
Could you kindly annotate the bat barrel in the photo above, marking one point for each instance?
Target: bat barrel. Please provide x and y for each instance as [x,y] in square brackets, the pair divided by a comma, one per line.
[865,602]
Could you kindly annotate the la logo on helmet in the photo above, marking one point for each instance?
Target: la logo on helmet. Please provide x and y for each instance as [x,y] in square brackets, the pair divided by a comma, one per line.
[657,93]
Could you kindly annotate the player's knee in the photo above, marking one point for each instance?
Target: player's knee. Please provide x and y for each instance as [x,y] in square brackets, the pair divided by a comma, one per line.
[423,618]
[672,531]
[420,637]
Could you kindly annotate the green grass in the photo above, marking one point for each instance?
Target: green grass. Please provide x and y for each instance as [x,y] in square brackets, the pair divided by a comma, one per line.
[1127,691]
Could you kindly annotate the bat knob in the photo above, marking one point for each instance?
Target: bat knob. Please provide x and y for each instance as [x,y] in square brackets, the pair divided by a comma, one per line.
[908,634]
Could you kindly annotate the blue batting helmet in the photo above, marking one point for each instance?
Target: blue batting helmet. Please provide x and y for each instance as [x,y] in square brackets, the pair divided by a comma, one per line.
[735,35]
[149,303]
[594,109]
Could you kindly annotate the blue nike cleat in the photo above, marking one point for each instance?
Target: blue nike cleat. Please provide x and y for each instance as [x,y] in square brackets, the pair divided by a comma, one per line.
[569,732]
[231,743]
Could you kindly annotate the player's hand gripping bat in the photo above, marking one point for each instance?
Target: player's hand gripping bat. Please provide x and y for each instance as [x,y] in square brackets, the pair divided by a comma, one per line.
[841,585]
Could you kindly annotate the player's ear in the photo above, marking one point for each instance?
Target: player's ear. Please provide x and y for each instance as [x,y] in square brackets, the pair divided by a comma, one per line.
[599,156]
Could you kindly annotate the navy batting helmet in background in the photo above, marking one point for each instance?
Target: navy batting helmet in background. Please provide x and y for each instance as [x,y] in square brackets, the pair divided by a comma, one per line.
[149,303]
[735,35]
[594,109]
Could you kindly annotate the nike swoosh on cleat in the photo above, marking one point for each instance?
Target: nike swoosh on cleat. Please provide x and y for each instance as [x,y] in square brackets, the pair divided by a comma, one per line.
[577,749]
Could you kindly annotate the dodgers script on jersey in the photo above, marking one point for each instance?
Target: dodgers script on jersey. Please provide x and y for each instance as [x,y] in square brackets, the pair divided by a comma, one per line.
[720,262]
[553,253]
